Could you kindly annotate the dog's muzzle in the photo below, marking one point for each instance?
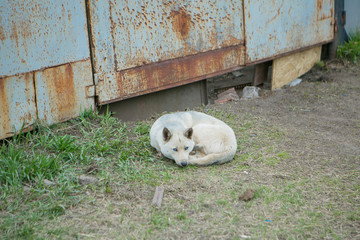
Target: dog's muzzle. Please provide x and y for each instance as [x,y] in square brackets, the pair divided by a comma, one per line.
[184,164]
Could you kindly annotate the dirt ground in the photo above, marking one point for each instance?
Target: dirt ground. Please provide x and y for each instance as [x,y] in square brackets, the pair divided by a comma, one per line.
[299,151]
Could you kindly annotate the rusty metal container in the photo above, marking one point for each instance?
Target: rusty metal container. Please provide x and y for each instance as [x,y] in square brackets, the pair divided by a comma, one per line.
[137,47]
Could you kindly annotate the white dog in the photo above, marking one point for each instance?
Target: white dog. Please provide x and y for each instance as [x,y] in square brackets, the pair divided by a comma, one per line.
[193,138]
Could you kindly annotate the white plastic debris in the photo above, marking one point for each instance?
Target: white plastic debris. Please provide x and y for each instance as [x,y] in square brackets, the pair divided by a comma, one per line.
[294,83]
[237,73]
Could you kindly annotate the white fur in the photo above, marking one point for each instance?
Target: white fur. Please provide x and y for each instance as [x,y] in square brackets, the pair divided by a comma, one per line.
[212,140]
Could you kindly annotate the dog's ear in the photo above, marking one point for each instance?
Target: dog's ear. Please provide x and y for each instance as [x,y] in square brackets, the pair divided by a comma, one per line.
[189,133]
[166,134]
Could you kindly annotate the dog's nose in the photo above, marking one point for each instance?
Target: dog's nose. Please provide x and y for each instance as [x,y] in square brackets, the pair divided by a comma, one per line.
[184,164]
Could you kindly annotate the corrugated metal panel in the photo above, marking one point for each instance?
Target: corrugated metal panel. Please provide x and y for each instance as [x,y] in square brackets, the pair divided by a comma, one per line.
[61,92]
[17,104]
[139,46]
[35,34]
[278,26]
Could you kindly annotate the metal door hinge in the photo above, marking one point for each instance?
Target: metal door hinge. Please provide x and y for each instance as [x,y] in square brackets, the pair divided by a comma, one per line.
[90,91]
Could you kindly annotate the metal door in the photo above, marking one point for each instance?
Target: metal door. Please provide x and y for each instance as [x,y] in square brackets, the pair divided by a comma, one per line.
[145,46]
[45,66]
[277,27]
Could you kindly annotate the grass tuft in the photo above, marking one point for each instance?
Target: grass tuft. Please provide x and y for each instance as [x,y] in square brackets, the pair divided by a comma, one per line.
[18,167]
[350,50]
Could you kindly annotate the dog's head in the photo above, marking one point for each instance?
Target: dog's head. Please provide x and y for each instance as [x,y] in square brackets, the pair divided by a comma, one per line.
[178,145]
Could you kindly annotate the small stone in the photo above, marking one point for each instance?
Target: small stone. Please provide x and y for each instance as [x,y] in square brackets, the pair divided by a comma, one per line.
[26,189]
[247,195]
[86,180]
[48,182]
[250,92]
[228,95]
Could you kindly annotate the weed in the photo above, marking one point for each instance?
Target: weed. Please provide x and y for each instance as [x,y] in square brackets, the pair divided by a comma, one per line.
[350,50]
[181,216]
[87,114]
[17,167]
[159,219]
[322,65]
[142,129]
[63,143]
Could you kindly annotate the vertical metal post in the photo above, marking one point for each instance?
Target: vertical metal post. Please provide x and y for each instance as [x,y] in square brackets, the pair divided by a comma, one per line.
[340,35]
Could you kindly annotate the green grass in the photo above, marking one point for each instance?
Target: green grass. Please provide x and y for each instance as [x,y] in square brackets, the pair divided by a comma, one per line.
[61,153]
[200,201]
[350,50]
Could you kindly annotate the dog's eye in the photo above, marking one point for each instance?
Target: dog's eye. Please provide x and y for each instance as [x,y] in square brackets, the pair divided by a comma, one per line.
[186,148]
[175,149]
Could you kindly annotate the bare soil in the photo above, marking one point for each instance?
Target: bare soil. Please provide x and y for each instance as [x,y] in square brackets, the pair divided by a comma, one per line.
[299,151]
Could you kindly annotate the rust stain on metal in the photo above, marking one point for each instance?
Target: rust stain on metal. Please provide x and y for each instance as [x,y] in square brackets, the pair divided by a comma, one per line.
[4,109]
[29,92]
[277,14]
[64,86]
[181,22]
[17,104]
[319,4]
[183,28]
[2,34]
[61,91]
[14,35]
[322,12]
[154,77]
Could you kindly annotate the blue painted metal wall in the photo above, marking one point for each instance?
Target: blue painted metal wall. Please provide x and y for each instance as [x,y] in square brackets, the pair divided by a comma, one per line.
[277,27]
[352,8]
[156,30]
[38,34]
[45,66]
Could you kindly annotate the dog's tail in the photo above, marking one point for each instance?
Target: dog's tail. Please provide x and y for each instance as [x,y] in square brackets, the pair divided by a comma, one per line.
[216,158]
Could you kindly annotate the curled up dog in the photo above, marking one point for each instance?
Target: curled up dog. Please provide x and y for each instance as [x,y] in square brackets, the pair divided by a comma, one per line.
[193,138]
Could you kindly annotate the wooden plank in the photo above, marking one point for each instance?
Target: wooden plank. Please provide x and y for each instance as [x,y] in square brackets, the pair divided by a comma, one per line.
[158,196]
[261,73]
[287,69]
